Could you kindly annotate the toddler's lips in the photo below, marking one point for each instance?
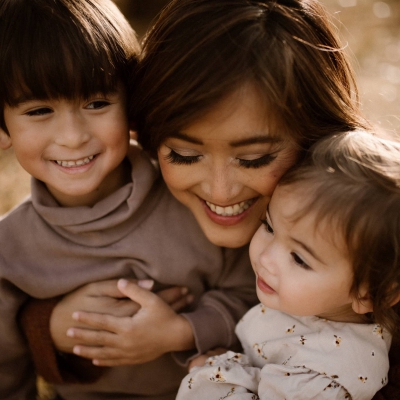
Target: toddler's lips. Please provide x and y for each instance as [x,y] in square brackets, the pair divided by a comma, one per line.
[264,287]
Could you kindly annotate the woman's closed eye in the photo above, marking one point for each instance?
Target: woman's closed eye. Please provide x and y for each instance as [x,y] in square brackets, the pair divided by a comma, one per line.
[259,162]
[175,158]
[299,261]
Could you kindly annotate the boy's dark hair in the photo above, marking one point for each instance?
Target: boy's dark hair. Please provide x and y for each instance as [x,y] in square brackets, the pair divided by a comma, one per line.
[63,49]
[353,184]
[200,51]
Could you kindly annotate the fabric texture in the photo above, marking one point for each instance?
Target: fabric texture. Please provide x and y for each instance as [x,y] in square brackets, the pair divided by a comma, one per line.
[289,357]
[140,231]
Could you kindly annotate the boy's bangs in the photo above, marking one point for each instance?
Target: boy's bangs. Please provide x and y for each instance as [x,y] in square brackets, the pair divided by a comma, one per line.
[58,74]
[42,68]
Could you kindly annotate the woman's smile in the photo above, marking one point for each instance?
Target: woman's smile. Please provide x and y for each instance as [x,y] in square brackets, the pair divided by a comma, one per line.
[225,167]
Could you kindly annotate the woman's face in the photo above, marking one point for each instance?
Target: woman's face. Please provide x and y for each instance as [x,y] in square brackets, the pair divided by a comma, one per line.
[225,166]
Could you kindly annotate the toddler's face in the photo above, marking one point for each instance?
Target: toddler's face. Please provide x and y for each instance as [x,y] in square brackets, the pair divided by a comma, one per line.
[301,266]
[75,147]
[225,167]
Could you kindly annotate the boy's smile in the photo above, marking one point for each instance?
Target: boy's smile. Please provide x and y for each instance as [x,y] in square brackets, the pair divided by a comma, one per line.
[75,147]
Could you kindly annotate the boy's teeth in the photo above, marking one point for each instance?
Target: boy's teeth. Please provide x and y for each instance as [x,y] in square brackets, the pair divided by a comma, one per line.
[230,210]
[76,163]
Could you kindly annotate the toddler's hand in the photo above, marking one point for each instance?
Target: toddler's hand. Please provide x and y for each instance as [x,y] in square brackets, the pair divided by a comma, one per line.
[154,330]
[201,360]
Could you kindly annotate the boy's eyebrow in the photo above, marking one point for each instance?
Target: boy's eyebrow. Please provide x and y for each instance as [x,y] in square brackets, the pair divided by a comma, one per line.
[264,138]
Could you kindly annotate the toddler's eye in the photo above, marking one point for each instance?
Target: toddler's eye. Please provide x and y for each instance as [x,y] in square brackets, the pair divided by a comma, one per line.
[39,112]
[299,261]
[267,225]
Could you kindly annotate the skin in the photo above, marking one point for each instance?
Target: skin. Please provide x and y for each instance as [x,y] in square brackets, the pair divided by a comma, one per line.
[302,266]
[227,157]
[43,132]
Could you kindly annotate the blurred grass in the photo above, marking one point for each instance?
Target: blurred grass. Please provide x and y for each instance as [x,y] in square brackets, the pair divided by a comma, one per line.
[371,29]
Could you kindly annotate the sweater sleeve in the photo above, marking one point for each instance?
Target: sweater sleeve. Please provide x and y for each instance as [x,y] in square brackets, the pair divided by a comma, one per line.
[53,366]
[220,308]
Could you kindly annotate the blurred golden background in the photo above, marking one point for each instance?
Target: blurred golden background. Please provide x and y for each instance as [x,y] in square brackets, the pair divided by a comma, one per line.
[370,28]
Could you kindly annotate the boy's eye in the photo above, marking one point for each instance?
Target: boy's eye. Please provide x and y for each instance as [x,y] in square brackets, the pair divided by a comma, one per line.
[257,162]
[267,225]
[39,111]
[98,104]
[175,158]
[299,261]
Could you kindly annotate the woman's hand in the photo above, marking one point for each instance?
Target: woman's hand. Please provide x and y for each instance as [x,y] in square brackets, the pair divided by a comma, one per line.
[154,330]
[101,297]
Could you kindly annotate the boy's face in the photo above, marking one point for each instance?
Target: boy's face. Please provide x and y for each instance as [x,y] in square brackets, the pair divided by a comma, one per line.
[301,267]
[75,147]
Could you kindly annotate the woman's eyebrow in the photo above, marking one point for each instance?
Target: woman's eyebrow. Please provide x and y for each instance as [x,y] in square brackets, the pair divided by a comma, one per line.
[259,138]
[264,138]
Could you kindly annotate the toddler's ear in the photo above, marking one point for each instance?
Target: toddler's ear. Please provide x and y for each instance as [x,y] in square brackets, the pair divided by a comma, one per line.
[362,304]
[5,140]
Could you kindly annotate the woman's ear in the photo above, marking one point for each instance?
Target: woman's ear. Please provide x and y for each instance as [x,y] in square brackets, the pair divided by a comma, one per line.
[5,140]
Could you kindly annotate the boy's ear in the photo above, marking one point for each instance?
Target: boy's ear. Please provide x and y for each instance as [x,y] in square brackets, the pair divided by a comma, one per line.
[5,140]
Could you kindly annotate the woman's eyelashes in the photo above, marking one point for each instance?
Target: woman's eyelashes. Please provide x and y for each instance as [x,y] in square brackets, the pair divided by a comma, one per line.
[175,158]
[257,162]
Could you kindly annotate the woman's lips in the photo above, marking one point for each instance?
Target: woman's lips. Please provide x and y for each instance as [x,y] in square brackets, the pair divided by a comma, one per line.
[228,216]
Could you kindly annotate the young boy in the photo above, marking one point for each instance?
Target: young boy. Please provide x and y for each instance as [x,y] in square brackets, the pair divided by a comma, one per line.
[98,208]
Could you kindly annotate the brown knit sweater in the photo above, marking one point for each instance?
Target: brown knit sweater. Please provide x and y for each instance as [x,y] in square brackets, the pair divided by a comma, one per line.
[139,231]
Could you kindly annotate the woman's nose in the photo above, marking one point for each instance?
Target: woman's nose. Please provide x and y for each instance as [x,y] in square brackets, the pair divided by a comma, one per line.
[222,185]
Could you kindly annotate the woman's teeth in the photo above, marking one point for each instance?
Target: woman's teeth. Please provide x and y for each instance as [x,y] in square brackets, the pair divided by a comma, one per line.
[230,210]
[77,163]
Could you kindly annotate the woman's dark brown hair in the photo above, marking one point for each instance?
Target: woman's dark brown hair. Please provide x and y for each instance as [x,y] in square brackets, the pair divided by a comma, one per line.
[200,51]
[63,49]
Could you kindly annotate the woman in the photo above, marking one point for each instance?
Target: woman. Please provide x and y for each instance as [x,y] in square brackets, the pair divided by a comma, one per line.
[229,94]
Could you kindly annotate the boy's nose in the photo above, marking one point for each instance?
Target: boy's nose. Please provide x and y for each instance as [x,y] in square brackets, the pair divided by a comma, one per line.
[71,132]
